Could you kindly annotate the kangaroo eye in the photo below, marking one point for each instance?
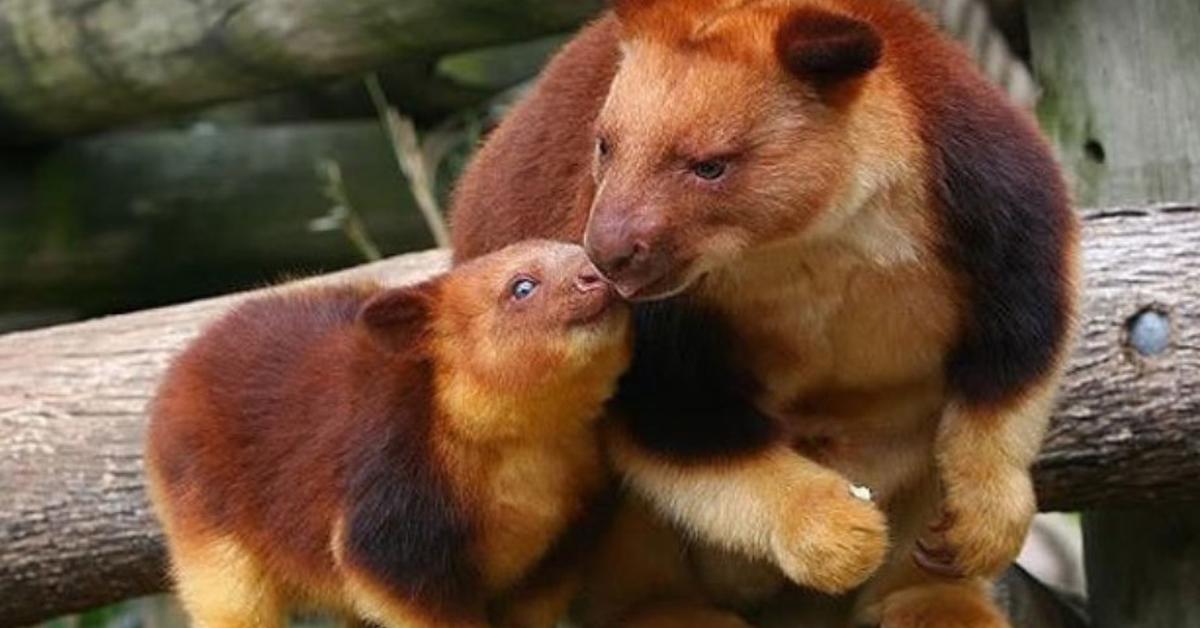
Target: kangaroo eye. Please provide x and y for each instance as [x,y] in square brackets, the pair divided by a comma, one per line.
[522,288]
[709,169]
[602,147]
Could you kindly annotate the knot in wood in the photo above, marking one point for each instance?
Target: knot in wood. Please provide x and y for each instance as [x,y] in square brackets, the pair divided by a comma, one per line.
[1150,332]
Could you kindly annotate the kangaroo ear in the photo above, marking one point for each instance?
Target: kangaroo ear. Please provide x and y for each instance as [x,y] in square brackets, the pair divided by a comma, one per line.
[827,49]
[397,315]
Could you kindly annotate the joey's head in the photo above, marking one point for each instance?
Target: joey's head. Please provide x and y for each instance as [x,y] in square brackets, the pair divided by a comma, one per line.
[724,130]
[531,325]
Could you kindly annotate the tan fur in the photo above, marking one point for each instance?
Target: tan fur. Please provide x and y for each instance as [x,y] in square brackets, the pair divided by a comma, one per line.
[958,605]
[775,506]
[911,511]
[530,490]
[848,325]
[490,398]
[221,585]
[511,450]
[988,494]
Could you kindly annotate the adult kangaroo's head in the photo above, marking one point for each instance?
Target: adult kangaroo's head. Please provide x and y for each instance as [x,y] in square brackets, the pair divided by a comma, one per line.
[726,128]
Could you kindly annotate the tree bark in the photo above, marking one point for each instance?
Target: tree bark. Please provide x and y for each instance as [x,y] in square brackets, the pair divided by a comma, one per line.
[70,66]
[75,65]
[75,531]
[1120,92]
[1128,426]
[1120,102]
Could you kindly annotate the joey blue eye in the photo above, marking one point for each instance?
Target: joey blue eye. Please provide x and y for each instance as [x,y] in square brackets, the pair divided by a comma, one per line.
[709,169]
[523,288]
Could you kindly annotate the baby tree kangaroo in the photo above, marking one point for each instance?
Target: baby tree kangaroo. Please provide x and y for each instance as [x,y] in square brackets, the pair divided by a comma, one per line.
[408,456]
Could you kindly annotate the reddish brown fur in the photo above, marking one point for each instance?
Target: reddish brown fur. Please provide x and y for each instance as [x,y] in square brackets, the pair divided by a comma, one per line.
[407,456]
[554,193]
[885,269]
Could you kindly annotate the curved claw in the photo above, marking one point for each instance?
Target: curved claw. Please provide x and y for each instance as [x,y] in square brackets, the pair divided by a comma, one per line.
[939,561]
[943,523]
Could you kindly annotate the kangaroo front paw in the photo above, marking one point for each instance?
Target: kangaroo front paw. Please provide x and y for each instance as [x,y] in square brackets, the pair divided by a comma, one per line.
[980,532]
[831,540]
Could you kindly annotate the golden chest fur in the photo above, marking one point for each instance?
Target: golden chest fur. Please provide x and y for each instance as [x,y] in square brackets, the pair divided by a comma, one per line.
[849,350]
[527,491]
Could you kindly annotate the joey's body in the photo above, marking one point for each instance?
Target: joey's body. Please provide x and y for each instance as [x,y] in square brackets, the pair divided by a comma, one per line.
[857,264]
[409,457]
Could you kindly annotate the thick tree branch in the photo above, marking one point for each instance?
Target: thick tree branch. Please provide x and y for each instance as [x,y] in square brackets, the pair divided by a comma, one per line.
[1128,426]
[75,531]
[74,65]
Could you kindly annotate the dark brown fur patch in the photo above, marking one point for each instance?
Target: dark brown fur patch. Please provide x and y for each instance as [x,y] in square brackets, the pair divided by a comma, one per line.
[1009,226]
[825,48]
[685,397]
[1009,230]
[404,528]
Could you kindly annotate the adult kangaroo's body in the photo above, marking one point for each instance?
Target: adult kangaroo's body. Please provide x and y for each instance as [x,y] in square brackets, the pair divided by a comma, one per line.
[856,262]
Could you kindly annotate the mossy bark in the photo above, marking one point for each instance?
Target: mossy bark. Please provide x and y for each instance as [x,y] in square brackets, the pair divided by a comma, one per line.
[75,65]
[1120,82]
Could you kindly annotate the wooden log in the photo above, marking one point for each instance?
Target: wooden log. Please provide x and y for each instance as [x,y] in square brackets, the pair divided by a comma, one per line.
[75,531]
[68,66]
[1127,431]
[1120,87]
[73,65]
[1120,101]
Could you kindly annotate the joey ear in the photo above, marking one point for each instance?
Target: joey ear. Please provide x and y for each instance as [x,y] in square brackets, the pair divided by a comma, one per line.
[827,49]
[397,313]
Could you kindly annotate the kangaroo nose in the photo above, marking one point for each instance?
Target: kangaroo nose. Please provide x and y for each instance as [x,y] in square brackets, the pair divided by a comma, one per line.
[622,258]
[589,279]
